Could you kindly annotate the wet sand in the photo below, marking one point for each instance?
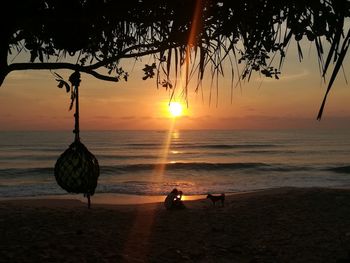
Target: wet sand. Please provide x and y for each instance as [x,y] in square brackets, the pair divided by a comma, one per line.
[279,225]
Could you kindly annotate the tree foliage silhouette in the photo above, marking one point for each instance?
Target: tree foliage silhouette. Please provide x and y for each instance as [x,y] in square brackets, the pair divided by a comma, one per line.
[185,37]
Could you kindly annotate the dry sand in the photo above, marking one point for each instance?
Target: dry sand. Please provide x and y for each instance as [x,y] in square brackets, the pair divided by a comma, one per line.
[281,225]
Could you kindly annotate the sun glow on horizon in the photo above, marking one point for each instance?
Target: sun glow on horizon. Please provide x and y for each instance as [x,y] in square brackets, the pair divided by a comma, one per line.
[175,109]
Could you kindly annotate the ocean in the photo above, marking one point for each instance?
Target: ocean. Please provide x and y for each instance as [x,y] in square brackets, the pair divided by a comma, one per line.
[148,163]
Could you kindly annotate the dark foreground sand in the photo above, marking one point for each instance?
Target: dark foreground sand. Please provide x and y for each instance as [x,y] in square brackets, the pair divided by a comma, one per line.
[282,225]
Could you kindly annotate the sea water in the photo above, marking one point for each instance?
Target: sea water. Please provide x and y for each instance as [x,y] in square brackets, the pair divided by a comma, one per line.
[196,162]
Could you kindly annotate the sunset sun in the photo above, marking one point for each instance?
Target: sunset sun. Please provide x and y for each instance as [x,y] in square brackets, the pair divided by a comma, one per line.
[175,109]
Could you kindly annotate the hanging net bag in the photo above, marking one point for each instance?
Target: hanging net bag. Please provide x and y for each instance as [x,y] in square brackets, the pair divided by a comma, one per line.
[77,169]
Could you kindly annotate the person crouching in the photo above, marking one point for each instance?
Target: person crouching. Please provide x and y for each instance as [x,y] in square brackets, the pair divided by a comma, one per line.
[173,200]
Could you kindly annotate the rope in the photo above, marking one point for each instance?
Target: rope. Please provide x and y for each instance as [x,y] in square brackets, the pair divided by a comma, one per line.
[75,80]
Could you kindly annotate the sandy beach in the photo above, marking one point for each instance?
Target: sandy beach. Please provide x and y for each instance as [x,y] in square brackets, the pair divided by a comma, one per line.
[279,225]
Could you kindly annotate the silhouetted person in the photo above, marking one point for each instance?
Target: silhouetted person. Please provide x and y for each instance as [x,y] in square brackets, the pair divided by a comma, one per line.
[173,200]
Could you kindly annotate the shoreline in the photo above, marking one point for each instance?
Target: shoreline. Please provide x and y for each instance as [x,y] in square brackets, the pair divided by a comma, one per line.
[123,199]
[134,199]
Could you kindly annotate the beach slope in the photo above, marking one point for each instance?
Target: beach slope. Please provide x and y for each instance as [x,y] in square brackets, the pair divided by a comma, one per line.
[279,225]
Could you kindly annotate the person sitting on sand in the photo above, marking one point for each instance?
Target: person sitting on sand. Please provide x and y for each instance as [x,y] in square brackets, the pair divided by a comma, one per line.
[173,200]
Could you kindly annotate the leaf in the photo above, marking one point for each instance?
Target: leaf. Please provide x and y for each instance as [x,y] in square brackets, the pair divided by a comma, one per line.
[126,75]
[67,86]
[59,76]
[168,63]
[71,105]
[33,55]
[300,52]
[338,65]
[60,84]
[332,50]
[72,97]
[149,71]
[41,57]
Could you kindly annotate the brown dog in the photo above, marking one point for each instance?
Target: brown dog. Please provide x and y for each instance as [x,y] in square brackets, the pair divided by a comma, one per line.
[216,198]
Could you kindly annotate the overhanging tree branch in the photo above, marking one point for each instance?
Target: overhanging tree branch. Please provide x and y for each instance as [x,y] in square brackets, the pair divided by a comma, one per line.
[107,31]
[51,66]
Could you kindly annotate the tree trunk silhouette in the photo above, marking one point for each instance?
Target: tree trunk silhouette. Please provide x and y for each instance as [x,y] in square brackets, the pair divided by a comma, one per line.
[4,45]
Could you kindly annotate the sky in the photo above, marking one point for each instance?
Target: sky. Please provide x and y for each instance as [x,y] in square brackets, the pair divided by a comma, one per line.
[30,100]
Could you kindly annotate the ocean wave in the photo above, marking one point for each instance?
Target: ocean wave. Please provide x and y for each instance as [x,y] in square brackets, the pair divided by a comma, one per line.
[236,146]
[200,146]
[186,166]
[143,145]
[182,166]
[125,156]
[142,167]
[32,157]
[39,149]
[340,169]
[111,170]
[31,190]
[17,172]
[205,166]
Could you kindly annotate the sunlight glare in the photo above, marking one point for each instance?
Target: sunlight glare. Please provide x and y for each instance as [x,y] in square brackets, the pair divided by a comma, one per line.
[175,109]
